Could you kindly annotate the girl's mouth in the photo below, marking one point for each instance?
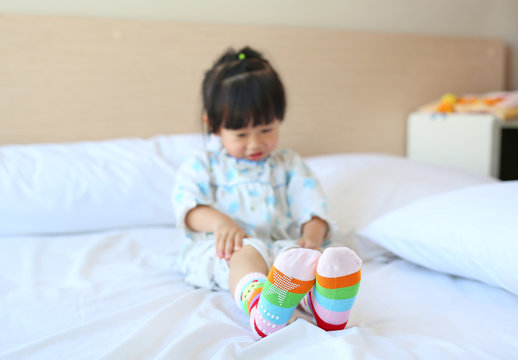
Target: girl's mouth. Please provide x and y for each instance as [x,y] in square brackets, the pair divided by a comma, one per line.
[255,156]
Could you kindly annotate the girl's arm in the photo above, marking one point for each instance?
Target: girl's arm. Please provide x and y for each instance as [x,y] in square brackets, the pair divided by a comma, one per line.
[229,235]
[313,233]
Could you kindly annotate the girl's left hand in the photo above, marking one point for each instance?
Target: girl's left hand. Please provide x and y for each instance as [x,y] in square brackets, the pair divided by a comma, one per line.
[309,243]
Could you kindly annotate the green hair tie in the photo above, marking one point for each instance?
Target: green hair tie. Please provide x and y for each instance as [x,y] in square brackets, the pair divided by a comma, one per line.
[241,56]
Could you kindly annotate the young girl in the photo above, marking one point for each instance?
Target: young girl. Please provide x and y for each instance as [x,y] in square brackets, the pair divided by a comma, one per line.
[256,215]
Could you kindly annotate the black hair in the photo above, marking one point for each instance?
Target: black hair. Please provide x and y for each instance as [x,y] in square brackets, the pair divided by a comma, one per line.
[242,87]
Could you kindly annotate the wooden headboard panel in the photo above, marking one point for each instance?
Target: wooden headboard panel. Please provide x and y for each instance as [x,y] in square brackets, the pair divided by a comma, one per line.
[70,79]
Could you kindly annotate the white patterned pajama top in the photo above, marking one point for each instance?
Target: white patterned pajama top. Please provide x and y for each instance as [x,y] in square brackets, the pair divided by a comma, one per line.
[269,199]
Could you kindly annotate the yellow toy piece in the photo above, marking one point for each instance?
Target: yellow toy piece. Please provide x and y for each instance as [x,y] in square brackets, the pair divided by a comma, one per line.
[448,99]
[446,103]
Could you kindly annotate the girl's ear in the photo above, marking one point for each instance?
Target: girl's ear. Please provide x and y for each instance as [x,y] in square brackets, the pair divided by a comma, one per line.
[205,118]
[206,121]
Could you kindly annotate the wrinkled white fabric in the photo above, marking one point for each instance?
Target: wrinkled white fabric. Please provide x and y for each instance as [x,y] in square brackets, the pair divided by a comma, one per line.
[112,295]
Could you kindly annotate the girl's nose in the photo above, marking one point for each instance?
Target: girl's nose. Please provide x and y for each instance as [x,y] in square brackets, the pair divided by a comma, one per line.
[255,141]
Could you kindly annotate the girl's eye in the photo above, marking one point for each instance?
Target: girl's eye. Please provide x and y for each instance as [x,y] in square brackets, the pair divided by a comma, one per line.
[241,135]
[266,130]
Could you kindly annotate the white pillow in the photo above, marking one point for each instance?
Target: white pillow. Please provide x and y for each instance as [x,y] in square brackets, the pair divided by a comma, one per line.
[362,187]
[471,232]
[88,186]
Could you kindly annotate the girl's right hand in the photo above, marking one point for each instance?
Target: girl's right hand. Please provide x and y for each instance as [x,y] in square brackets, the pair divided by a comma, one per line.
[229,238]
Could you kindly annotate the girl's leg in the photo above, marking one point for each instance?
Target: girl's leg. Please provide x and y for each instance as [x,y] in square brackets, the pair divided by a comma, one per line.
[243,262]
[271,301]
[337,282]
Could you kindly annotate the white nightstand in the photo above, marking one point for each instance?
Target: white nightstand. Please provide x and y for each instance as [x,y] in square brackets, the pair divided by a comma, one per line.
[476,142]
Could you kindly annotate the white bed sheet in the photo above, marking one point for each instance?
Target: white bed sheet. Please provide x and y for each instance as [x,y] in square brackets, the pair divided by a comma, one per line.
[113,295]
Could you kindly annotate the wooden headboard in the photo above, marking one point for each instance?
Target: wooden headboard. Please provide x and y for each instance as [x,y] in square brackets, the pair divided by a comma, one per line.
[69,79]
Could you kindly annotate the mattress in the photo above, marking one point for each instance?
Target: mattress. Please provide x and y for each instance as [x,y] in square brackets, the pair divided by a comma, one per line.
[113,295]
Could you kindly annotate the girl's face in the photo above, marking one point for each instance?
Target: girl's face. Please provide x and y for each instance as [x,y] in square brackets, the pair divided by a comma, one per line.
[253,143]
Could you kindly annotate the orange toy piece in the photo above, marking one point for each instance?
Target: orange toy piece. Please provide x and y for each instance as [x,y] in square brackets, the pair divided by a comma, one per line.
[445,108]
[447,103]
[467,100]
[491,101]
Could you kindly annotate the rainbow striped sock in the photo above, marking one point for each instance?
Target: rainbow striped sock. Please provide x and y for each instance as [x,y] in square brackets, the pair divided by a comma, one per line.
[248,290]
[291,277]
[337,282]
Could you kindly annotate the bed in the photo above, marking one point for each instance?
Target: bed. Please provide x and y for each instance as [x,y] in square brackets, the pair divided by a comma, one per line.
[95,120]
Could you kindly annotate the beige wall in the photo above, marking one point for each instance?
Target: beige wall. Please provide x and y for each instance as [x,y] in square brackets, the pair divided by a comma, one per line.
[487,18]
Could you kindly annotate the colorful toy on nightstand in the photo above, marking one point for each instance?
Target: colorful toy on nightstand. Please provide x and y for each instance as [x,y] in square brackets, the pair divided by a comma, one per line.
[446,103]
[503,105]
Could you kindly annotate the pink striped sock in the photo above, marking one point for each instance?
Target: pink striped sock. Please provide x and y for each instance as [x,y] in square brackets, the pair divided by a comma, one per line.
[337,282]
